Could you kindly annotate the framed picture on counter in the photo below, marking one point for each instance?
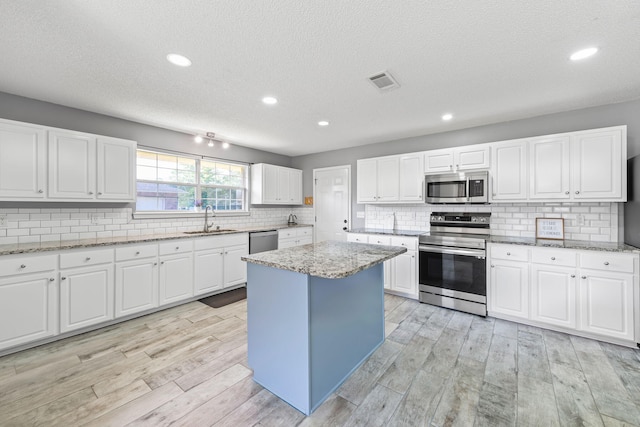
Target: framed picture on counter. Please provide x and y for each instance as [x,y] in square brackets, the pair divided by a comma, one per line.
[550,228]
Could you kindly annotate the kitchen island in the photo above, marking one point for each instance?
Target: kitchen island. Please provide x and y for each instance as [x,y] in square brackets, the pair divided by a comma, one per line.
[315,313]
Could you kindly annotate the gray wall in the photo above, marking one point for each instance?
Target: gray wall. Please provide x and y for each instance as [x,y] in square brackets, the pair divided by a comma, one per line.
[589,118]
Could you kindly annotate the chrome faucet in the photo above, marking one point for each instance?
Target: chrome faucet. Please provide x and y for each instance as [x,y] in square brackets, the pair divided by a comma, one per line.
[207,226]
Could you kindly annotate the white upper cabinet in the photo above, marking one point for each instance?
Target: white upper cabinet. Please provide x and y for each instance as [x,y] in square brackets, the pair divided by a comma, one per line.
[390,179]
[599,164]
[411,178]
[22,161]
[509,171]
[457,159]
[59,165]
[549,167]
[367,180]
[275,185]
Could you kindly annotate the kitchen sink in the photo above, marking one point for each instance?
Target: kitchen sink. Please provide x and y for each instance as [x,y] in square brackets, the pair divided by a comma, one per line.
[222,230]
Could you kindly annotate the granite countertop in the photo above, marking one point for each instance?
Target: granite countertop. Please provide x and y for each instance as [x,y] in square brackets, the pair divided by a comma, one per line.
[329,259]
[569,244]
[387,231]
[23,248]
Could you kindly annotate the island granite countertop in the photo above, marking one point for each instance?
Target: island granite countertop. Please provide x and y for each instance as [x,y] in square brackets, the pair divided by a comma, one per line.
[329,259]
[24,248]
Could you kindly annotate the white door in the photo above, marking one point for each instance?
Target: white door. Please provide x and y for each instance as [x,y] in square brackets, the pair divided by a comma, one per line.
[22,161]
[509,288]
[473,157]
[176,278]
[235,270]
[596,160]
[86,297]
[404,274]
[208,270]
[270,184]
[72,165]
[438,161]
[388,179]
[509,171]
[553,295]
[549,168]
[411,178]
[367,180]
[295,187]
[136,286]
[332,199]
[116,169]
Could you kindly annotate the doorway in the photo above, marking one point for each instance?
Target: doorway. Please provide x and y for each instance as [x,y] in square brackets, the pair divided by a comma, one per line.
[332,202]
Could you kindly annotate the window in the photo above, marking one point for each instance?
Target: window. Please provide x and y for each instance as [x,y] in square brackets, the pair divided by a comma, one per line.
[183,183]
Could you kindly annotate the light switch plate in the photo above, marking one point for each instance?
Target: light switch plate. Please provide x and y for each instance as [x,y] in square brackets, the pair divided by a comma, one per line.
[360,214]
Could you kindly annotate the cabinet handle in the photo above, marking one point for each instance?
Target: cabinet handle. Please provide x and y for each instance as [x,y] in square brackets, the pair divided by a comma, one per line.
[566,192]
[137,252]
[23,266]
[344,228]
[63,278]
[553,258]
[606,263]
[177,247]
[573,276]
[457,166]
[155,263]
[584,277]
[404,244]
[90,192]
[99,193]
[413,256]
[40,191]
[451,167]
[88,259]
[577,192]
[51,279]
[493,266]
[508,253]
[161,262]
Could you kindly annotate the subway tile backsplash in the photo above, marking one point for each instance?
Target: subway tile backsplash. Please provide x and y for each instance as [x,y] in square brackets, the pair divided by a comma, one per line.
[44,225]
[597,222]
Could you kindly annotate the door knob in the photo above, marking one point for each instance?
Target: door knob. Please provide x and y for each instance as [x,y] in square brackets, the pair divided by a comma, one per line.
[345,221]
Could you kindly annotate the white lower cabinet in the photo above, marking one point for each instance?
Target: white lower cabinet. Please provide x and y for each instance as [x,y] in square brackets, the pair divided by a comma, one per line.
[86,288]
[28,299]
[136,279]
[218,263]
[294,236]
[589,293]
[208,270]
[176,271]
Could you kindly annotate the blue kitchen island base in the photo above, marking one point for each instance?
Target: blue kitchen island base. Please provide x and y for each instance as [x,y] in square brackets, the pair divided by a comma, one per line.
[307,334]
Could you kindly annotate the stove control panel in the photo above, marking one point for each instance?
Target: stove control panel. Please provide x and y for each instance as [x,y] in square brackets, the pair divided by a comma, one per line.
[456,218]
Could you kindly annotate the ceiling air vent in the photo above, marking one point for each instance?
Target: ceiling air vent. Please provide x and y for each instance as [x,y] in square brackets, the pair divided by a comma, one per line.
[384,81]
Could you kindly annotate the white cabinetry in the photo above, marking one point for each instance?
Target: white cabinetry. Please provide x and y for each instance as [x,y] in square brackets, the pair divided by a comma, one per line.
[217,263]
[457,159]
[411,176]
[116,174]
[509,171]
[23,158]
[378,179]
[549,167]
[86,288]
[294,236]
[509,281]
[176,271]
[275,185]
[28,299]
[136,280]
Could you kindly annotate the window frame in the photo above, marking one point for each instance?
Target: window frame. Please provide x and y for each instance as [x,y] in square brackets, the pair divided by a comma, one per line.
[142,214]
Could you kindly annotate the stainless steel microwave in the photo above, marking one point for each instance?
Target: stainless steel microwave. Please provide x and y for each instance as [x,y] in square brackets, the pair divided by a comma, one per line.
[457,188]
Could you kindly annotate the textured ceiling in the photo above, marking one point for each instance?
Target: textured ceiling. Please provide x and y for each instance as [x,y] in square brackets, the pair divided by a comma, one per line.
[483,61]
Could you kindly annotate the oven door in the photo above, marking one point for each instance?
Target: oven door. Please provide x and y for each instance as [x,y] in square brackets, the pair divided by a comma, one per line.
[458,272]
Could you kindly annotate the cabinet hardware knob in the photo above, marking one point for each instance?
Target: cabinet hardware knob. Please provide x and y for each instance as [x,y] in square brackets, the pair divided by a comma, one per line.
[584,277]
[413,256]
[177,247]
[577,192]
[344,228]
[63,278]
[161,262]
[99,193]
[566,192]
[155,263]
[606,263]
[492,266]
[457,166]
[573,276]
[40,191]
[90,192]
[553,258]
[88,259]
[51,279]
[23,266]
[508,253]
[404,244]
[345,221]
[137,252]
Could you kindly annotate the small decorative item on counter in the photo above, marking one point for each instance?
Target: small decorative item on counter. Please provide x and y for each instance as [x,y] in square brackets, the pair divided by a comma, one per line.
[197,205]
[550,228]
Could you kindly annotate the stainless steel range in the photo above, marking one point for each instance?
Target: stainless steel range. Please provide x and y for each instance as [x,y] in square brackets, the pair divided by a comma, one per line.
[452,269]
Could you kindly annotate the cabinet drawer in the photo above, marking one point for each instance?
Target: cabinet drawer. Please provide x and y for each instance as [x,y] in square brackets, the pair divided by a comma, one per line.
[21,264]
[129,253]
[359,238]
[510,252]
[215,242]
[283,233]
[175,247]
[306,231]
[607,261]
[411,243]
[85,258]
[565,257]
[379,240]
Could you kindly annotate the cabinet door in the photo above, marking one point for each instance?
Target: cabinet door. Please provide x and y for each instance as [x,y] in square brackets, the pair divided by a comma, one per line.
[295,187]
[116,169]
[367,174]
[282,186]
[235,270]
[208,271]
[86,297]
[270,184]
[388,179]
[598,165]
[606,303]
[22,161]
[72,165]
[472,157]
[553,295]
[176,278]
[438,161]
[509,288]
[136,286]
[549,168]
[404,274]
[411,178]
[28,308]
[509,171]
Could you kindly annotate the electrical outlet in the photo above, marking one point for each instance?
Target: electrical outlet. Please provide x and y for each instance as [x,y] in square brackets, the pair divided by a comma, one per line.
[580,219]
[3,221]
[94,219]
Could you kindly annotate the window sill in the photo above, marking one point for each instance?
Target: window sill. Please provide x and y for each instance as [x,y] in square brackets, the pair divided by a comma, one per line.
[185,214]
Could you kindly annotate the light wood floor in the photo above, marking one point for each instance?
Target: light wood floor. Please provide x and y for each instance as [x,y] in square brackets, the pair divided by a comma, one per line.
[187,366]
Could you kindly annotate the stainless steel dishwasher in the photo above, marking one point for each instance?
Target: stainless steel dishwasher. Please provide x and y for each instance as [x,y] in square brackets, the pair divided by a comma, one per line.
[261,241]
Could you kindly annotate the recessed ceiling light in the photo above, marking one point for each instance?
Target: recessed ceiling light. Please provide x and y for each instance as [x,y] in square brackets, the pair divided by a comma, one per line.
[584,53]
[269,100]
[198,139]
[225,145]
[179,60]
[447,117]
[323,123]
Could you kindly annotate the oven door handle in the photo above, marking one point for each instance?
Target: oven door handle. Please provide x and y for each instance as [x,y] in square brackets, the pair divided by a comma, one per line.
[467,190]
[452,251]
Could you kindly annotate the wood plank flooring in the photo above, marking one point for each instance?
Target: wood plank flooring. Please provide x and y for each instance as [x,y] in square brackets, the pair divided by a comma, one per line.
[187,366]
